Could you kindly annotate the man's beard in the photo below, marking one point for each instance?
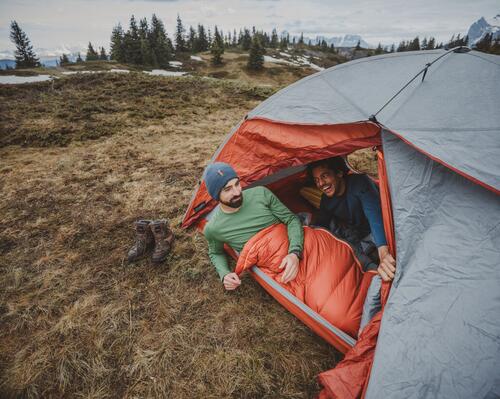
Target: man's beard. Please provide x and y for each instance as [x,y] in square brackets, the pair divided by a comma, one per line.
[234,202]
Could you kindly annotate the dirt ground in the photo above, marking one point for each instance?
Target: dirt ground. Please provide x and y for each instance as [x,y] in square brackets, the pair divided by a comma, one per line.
[80,160]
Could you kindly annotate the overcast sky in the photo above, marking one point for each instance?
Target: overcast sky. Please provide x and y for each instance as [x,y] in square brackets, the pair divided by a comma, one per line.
[54,23]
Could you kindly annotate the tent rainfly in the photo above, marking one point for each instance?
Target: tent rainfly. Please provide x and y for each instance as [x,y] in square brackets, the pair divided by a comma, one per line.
[434,118]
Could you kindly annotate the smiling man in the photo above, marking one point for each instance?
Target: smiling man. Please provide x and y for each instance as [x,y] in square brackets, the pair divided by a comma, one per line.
[350,209]
[241,215]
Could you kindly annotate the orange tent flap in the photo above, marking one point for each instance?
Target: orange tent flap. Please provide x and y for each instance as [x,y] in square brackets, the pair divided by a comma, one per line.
[260,148]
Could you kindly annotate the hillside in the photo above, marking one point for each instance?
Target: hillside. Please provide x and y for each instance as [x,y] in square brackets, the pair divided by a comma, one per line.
[82,158]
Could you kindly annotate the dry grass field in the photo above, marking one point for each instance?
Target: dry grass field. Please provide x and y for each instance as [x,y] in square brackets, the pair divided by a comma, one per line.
[82,158]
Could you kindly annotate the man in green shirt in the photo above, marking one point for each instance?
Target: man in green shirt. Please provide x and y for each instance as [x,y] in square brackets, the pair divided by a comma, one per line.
[241,215]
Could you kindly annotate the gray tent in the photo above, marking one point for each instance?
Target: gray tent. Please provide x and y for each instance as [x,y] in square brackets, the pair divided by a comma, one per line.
[438,115]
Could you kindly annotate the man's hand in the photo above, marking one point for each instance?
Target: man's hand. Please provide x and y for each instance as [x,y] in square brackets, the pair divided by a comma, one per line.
[387,266]
[231,281]
[291,265]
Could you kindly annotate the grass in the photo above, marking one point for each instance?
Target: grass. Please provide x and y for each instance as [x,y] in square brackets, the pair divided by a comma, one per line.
[98,105]
[82,158]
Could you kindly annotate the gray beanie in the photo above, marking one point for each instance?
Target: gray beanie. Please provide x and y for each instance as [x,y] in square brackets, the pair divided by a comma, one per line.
[216,176]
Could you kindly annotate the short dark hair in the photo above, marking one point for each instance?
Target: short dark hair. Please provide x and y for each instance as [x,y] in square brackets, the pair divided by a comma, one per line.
[335,164]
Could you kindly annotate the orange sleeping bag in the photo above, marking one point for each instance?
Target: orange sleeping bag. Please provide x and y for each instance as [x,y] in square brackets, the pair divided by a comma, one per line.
[330,279]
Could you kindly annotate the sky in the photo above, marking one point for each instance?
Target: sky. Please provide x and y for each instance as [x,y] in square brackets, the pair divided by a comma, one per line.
[73,23]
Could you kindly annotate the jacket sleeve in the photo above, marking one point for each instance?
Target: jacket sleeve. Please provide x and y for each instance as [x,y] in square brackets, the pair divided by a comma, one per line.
[284,215]
[216,254]
[370,201]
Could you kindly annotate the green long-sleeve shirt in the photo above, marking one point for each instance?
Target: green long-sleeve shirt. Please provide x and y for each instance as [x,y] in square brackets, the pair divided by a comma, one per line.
[260,209]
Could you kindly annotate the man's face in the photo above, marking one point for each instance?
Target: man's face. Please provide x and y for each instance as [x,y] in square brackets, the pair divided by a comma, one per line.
[327,181]
[231,195]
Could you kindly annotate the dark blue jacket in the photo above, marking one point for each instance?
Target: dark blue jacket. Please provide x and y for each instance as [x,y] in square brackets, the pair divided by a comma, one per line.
[358,208]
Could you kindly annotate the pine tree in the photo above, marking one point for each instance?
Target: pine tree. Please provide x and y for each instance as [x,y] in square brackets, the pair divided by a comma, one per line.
[265,39]
[301,39]
[79,58]
[145,40]
[64,60]
[424,44]
[256,55]
[379,49]
[495,47]
[235,39]
[485,43]
[102,55]
[132,44]
[25,56]
[161,45]
[392,50]
[180,43]
[202,39]
[91,53]
[284,42]
[116,47]
[216,50]
[324,45]
[431,44]
[192,40]
[246,40]
[414,45]
[358,45]
[219,40]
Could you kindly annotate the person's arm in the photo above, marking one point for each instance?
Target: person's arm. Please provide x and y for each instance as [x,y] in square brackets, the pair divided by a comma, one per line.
[370,201]
[290,263]
[218,258]
[294,227]
[217,255]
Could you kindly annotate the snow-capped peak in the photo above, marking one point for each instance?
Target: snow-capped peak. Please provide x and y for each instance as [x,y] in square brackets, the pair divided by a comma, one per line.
[483,26]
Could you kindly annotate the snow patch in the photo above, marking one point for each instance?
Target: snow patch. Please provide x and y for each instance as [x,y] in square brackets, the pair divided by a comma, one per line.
[196,58]
[299,61]
[162,72]
[14,80]
[114,70]
[316,67]
[285,54]
[175,64]
[268,58]
[77,72]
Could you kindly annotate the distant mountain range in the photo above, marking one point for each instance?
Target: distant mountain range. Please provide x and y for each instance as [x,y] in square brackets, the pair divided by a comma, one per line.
[339,41]
[48,57]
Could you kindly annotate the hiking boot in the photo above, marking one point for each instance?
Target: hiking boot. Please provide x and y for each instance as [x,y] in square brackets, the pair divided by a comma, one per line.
[164,238]
[144,240]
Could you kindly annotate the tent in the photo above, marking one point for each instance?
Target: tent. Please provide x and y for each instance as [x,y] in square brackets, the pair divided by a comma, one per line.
[434,118]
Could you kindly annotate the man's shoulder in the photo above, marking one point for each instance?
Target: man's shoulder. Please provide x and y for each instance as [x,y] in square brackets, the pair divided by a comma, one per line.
[358,182]
[211,224]
[257,190]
